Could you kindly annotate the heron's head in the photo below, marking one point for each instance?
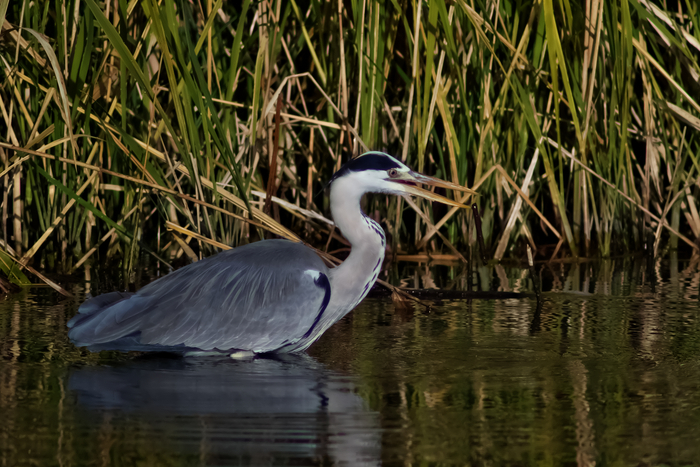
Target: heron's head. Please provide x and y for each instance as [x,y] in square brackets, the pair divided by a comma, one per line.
[376,172]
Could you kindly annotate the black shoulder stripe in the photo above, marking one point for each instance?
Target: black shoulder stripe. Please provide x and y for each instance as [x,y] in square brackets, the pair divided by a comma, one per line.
[322,282]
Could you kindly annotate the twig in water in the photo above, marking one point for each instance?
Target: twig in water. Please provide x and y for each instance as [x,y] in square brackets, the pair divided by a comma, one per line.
[533,273]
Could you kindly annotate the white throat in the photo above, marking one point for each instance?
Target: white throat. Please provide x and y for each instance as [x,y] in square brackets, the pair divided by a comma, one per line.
[351,281]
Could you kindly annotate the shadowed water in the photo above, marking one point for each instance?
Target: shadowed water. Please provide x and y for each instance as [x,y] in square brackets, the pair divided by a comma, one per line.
[260,412]
[606,371]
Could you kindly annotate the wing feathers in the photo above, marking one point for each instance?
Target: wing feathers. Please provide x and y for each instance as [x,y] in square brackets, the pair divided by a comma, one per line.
[256,297]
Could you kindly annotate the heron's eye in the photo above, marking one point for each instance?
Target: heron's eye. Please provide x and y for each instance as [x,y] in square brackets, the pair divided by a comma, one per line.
[393,173]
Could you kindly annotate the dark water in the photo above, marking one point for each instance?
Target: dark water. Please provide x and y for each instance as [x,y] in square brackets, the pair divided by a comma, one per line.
[606,373]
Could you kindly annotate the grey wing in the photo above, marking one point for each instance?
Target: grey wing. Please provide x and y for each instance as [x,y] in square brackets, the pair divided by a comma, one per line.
[260,297]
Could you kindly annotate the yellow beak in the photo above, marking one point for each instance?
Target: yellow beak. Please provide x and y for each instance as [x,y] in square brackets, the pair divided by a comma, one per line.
[406,183]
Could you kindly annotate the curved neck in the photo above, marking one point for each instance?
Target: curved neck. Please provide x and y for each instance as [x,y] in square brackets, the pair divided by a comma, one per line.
[351,281]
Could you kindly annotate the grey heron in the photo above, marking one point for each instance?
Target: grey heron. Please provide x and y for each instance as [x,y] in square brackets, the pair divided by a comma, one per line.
[267,296]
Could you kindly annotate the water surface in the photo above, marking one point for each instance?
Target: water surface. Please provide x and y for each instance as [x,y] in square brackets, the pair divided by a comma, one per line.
[605,372]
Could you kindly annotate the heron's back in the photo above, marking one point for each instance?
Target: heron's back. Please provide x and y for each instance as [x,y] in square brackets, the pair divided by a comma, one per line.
[261,297]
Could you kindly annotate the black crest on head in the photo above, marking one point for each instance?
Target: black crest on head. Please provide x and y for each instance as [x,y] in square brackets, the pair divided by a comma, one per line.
[367,161]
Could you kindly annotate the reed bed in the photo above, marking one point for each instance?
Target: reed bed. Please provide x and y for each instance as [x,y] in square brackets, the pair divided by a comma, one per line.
[179,128]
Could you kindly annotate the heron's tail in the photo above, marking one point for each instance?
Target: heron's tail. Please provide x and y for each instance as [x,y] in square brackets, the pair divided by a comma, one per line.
[98,320]
[97,304]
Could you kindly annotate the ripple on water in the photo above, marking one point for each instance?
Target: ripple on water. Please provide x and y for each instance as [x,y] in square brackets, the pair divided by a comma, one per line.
[610,377]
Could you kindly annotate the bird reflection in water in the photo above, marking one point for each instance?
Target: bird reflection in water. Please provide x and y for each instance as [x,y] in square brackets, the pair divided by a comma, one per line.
[266,411]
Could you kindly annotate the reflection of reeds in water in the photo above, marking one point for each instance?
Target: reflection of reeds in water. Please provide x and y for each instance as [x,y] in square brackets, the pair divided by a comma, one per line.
[610,366]
[597,377]
[577,125]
